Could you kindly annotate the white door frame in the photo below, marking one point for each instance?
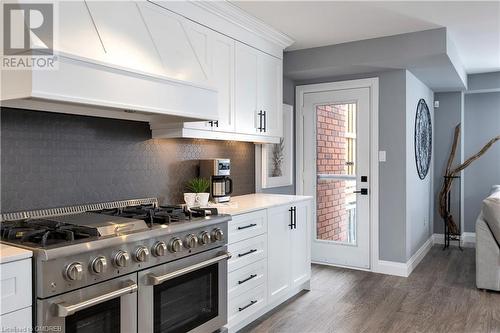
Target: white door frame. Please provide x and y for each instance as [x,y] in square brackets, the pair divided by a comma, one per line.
[373,85]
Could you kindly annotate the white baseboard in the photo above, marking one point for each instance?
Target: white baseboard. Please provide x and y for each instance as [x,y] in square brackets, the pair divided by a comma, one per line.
[404,269]
[468,239]
[419,255]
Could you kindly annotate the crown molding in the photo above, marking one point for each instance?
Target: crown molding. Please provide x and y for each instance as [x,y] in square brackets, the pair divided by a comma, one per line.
[235,15]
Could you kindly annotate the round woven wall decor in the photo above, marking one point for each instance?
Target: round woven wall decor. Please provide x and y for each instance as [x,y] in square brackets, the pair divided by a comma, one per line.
[423,139]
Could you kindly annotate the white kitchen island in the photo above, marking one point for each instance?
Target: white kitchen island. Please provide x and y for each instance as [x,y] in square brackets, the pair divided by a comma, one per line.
[269,238]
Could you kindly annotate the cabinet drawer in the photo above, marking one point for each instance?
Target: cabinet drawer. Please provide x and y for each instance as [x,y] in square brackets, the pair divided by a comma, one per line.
[246,226]
[15,285]
[16,321]
[246,304]
[247,252]
[246,278]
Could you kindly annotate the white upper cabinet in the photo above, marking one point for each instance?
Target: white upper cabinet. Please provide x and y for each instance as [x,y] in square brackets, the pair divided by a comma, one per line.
[246,90]
[270,94]
[223,80]
[258,92]
[125,36]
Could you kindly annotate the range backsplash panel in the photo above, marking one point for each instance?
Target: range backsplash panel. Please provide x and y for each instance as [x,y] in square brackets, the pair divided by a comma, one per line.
[53,160]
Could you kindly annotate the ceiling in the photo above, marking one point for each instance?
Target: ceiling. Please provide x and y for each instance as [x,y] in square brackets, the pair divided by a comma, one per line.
[474,26]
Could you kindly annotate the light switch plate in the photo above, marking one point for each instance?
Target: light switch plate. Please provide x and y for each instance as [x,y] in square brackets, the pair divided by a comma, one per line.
[382,156]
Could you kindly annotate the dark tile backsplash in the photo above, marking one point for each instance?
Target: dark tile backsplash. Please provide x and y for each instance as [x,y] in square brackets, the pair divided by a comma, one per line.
[53,160]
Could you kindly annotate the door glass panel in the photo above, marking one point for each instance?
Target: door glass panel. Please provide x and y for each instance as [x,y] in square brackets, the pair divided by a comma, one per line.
[336,172]
[186,302]
[104,317]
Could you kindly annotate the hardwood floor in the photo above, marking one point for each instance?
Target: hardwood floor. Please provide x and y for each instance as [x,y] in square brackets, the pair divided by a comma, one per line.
[439,296]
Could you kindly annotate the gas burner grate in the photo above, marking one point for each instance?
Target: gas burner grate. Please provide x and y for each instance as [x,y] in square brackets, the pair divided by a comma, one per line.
[44,232]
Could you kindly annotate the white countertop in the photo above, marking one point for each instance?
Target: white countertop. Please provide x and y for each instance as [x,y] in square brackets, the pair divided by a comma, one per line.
[11,253]
[252,202]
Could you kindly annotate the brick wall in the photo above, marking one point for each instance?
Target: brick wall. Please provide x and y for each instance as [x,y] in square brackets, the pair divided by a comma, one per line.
[331,151]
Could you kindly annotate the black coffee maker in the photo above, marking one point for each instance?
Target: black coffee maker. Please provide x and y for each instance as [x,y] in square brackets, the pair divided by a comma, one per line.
[218,170]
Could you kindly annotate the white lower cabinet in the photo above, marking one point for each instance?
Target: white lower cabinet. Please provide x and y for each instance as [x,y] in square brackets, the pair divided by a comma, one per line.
[270,262]
[16,321]
[15,300]
[243,306]
[246,252]
[247,278]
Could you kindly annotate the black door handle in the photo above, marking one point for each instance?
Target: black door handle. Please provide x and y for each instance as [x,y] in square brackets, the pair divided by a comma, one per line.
[363,191]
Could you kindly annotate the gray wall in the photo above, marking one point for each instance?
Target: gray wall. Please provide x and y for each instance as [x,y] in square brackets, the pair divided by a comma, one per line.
[419,192]
[482,123]
[392,106]
[446,117]
[484,81]
[53,160]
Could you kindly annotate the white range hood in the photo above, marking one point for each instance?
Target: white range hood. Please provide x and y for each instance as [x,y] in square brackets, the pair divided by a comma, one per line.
[113,61]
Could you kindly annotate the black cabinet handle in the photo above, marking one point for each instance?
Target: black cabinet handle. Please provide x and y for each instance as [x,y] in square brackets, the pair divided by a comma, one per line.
[246,306]
[247,279]
[216,123]
[265,121]
[291,217]
[247,253]
[247,226]
[260,128]
[294,217]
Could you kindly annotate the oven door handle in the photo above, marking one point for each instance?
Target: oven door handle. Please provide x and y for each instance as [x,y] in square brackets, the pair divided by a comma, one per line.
[64,310]
[152,279]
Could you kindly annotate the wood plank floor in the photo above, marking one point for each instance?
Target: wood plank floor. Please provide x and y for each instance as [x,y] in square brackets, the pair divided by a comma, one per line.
[439,296]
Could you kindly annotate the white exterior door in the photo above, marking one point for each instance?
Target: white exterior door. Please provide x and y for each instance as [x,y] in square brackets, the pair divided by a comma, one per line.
[336,165]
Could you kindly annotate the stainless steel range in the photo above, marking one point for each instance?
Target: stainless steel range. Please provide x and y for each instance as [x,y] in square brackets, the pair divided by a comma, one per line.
[125,266]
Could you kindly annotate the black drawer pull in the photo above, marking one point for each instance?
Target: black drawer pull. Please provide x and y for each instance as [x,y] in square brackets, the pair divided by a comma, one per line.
[247,279]
[247,226]
[246,306]
[247,253]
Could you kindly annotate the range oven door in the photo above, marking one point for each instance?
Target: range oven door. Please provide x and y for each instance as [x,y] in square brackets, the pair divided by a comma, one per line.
[186,295]
[109,307]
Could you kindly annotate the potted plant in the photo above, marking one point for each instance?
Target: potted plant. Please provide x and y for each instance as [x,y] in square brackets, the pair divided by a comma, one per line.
[198,192]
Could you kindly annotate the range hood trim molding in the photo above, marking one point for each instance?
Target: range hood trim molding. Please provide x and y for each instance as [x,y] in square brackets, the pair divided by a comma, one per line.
[46,85]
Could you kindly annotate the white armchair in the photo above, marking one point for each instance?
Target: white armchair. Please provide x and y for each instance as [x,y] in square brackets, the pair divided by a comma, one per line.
[488,243]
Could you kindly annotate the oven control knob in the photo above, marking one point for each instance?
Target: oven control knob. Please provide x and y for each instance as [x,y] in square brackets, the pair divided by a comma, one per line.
[175,245]
[217,234]
[121,259]
[74,271]
[204,238]
[142,254]
[160,249]
[191,241]
[98,265]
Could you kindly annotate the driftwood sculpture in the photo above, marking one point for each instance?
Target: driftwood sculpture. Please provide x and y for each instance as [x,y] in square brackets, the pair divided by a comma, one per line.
[450,173]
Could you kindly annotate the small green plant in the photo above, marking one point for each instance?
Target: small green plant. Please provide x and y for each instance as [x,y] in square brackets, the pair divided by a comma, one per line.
[198,185]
